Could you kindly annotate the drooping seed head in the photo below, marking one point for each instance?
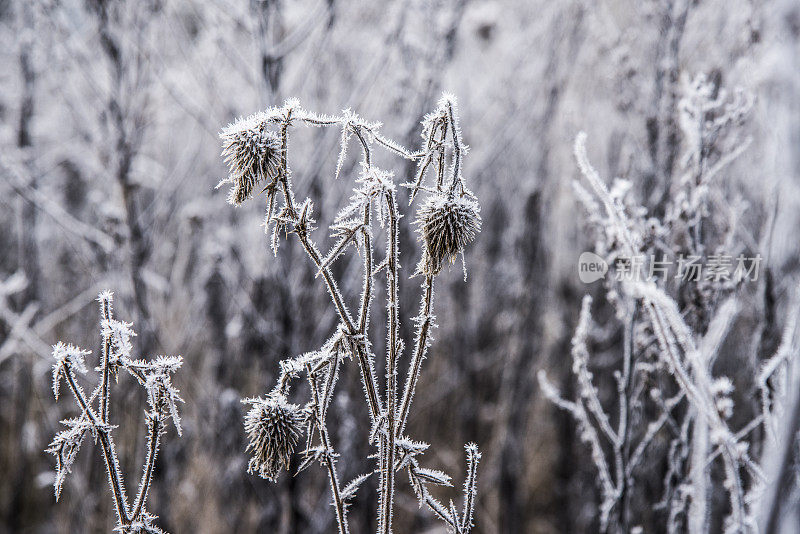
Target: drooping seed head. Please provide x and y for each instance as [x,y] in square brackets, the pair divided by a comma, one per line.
[446,227]
[273,427]
[252,153]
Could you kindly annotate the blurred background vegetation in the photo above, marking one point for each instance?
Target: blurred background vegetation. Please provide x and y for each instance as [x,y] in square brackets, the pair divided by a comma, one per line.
[109,154]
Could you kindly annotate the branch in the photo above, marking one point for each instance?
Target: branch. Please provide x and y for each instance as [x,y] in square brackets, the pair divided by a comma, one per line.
[341,510]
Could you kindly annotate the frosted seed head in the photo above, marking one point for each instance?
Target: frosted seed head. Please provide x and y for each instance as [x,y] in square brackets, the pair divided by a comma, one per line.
[273,427]
[446,227]
[252,154]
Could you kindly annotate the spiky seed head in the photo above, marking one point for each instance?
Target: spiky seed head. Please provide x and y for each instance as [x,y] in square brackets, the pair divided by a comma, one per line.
[252,153]
[273,426]
[446,226]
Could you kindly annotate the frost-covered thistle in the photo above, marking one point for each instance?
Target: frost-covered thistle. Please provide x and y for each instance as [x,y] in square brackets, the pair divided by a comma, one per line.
[155,376]
[273,426]
[448,221]
[253,156]
[446,226]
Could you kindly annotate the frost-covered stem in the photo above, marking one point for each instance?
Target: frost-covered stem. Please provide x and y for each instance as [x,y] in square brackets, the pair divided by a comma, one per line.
[426,305]
[623,444]
[368,375]
[302,233]
[364,146]
[366,295]
[393,302]
[423,164]
[589,434]
[341,511]
[107,445]
[430,501]
[382,472]
[105,390]
[330,381]
[456,149]
[440,177]
[395,147]
[699,469]
[470,486]
[153,443]
[700,399]
[588,392]
[652,430]
[699,474]
[782,455]
[667,346]
[364,362]
[288,195]
[333,289]
[420,348]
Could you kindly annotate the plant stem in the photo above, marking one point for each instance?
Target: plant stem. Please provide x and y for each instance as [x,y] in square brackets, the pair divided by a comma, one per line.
[341,511]
[420,348]
[108,450]
[153,443]
[367,371]
[387,480]
[105,390]
[333,289]
[456,150]
[622,446]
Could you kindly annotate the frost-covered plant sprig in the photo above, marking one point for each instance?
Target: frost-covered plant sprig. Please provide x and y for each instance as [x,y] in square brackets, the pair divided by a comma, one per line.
[668,351]
[448,221]
[155,376]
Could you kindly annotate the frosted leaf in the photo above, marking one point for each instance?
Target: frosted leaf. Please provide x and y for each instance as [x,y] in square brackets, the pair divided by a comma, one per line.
[433,476]
[142,525]
[69,358]
[65,447]
[119,334]
[163,397]
[410,446]
[166,364]
[311,455]
[349,491]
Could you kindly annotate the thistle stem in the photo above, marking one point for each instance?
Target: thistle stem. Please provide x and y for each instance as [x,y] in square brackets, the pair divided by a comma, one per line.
[391,364]
[105,390]
[341,511]
[108,449]
[420,349]
[153,443]
[367,371]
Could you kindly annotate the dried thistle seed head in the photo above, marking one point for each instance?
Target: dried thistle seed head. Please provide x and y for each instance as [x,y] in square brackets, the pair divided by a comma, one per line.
[252,153]
[273,426]
[446,226]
